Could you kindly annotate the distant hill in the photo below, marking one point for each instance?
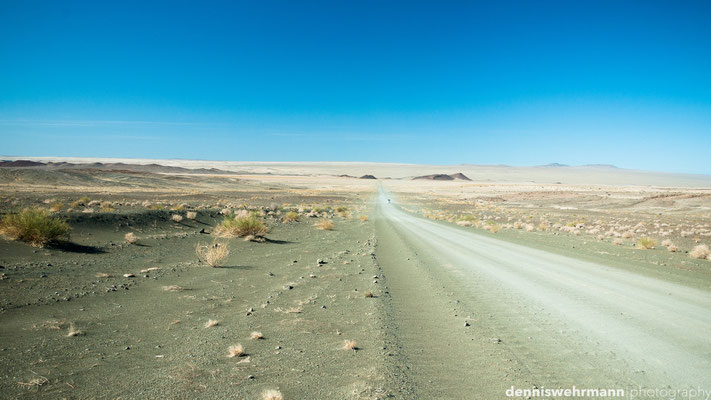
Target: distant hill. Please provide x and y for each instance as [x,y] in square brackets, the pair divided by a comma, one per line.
[367,177]
[555,164]
[20,164]
[146,168]
[443,177]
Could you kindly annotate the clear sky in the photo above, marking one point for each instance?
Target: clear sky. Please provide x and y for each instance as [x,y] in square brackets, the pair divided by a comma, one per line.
[443,82]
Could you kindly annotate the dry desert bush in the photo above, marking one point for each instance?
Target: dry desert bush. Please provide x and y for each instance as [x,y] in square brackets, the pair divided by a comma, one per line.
[34,382]
[173,288]
[212,254]
[241,226]
[647,243]
[700,252]
[350,345]
[235,351]
[131,238]
[191,215]
[73,331]
[291,216]
[106,206]
[272,395]
[256,335]
[176,217]
[324,225]
[34,226]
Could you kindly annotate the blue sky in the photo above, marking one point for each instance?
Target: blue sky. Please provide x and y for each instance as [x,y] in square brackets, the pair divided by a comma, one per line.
[499,82]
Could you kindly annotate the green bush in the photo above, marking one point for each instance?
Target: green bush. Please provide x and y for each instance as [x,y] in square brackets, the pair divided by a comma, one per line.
[291,216]
[35,226]
[233,226]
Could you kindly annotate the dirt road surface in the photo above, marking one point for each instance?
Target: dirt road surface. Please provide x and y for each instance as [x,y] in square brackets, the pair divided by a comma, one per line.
[474,315]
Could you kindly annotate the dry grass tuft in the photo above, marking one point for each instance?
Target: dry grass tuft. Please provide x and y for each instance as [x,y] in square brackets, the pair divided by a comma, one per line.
[350,345]
[102,275]
[235,351]
[173,288]
[56,207]
[213,254]
[131,238]
[618,242]
[256,335]
[324,225]
[647,243]
[363,218]
[34,382]
[106,206]
[176,217]
[291,216]
[191,215]
[34,226]
[272,395]
[211,322]
[73,331]
[241,226]
[700,252]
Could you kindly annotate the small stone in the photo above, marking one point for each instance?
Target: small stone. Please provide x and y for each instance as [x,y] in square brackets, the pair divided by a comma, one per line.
[129,275]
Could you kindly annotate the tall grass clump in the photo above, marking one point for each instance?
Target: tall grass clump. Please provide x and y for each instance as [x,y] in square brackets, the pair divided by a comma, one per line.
[700,252]
[291,216]
[647,243]
[233,226]
[34,226]
[324,225]
[212,254]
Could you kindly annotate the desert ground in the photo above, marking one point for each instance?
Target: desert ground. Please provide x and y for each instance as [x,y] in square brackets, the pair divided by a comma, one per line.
[393,287]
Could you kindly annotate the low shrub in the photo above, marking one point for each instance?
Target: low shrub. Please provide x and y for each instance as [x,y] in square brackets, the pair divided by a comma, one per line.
[34,226]
[700,252]
[242,226]
[212,254]
[131,238]
[647,243]
[291,216]
[324,225]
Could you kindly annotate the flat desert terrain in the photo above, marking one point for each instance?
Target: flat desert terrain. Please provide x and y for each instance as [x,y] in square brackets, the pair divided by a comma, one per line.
[360,283]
